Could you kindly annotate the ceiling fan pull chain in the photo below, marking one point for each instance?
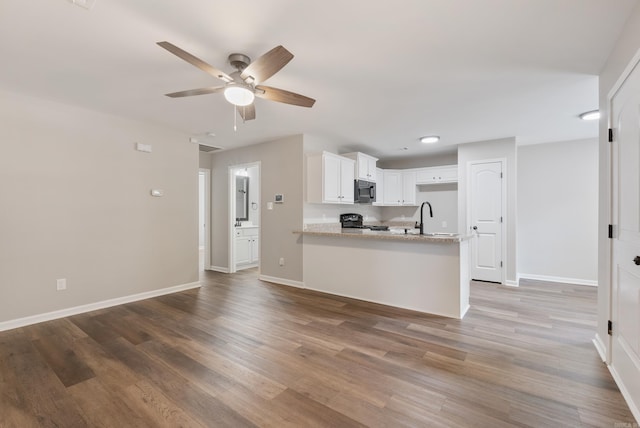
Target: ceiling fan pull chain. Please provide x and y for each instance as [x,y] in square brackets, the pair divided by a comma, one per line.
[235,119]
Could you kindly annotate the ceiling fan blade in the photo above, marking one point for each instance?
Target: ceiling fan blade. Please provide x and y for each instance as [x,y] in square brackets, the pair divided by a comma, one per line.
[282,96]
[200,91]
[195,61]
[247,112]
[267,65]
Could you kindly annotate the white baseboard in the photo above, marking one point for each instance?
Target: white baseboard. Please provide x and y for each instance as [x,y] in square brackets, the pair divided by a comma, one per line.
[219,269]
[282,281]
[602,350]
[34,319]
[633,406]
[511,283]
[576,281]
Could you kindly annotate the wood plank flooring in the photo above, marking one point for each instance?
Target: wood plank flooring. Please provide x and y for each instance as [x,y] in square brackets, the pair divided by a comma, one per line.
[240,352]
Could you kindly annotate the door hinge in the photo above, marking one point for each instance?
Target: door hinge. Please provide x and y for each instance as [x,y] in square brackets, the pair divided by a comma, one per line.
[500,219]
[609,328]
[500,264]
[500,175]
[610,231]
[611,135]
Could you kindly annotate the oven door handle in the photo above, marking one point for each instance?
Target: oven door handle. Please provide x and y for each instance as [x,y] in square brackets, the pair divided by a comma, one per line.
[372,192]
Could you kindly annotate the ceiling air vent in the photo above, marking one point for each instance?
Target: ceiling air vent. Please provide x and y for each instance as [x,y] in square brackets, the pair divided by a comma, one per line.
[87,4]
[208,149]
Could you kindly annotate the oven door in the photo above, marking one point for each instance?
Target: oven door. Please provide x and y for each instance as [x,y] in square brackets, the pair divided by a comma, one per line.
[365,192]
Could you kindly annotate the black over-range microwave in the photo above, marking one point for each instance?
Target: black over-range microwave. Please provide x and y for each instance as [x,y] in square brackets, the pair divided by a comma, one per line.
[365,192]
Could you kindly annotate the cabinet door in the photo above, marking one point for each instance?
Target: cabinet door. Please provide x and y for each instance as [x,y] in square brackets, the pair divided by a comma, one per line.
[409,188]
[449,174]
[347,191]
[255,250]
[371,168]
[363,167]
[426,176]
[392,188]
[331,185]
[243,250]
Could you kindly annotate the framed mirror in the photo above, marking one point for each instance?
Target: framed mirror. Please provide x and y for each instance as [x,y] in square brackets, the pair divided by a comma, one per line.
[242,198]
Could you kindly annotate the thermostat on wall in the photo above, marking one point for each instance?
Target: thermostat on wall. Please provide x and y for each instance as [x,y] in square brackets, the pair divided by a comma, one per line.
[279,199]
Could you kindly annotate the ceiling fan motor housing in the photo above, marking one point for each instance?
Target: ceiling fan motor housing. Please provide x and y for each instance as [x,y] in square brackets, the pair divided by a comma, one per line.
[239,61]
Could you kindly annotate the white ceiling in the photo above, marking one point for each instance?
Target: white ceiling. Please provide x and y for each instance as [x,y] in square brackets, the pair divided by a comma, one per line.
[383,73]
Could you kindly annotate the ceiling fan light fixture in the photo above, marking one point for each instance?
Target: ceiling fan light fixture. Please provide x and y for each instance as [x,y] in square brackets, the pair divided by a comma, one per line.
[239,95]
[430,139]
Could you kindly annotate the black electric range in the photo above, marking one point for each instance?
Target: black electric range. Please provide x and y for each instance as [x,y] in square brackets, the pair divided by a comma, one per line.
[354,221]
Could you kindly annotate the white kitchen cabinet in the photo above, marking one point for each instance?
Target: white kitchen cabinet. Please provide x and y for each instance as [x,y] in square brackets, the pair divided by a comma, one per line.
[330,179]
[247,247]
[379,187]
[399,187]
[437,174]
[365,168]
[409,188]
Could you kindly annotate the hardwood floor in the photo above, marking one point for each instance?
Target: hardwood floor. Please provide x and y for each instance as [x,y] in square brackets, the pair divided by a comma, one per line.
[240,352]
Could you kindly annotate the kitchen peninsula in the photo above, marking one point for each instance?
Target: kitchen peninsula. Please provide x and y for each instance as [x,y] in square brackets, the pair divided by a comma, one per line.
[419,272]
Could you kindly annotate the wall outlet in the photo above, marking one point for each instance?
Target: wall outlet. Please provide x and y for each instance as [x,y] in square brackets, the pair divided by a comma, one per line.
[444,224]
[281,263]
[61,284]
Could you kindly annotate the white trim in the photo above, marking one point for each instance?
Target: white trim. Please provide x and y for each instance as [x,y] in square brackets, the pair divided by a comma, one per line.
[510,283]
[247,266]
[48,316]
[504,211]
[282,281]
[221,269]
[602,350]
[378,302]
[624,75]
[635,411]
[549,278]
[207,214]
[231,259]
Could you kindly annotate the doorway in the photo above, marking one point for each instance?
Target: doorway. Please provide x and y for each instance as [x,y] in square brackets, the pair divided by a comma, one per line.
[624,327]
[244,216]
[204,183]
[486,215]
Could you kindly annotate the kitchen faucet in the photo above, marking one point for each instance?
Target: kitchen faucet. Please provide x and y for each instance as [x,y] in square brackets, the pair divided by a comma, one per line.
[422,216]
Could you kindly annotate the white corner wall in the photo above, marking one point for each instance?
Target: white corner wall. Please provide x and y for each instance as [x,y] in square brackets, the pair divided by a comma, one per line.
[558,211]
[76,204]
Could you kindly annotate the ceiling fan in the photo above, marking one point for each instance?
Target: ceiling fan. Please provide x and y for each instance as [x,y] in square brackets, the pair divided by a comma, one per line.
[243,85]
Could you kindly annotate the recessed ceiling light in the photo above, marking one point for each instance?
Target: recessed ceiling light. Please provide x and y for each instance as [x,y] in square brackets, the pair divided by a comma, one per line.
[430,139]
[590,115]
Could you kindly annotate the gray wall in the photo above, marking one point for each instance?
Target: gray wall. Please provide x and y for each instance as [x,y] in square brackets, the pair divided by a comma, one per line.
[484,150]
[624,50]
[558,211]
[76,204]
[281,166]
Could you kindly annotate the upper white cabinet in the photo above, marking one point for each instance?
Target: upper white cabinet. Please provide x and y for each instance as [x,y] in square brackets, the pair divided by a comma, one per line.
[365,168]
[437,174]
[399,187]
[330,179]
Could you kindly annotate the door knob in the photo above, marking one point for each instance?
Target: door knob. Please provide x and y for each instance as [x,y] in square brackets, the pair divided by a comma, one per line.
[475,227]
[637,260]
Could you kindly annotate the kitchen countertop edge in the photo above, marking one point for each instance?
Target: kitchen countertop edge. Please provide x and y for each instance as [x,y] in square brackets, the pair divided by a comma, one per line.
[385,235]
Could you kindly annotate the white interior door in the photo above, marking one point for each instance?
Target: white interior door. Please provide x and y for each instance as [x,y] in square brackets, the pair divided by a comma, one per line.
[625,250]
[485,207]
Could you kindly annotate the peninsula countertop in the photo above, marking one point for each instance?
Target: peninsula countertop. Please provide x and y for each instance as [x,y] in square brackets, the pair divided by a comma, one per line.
[387,235]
